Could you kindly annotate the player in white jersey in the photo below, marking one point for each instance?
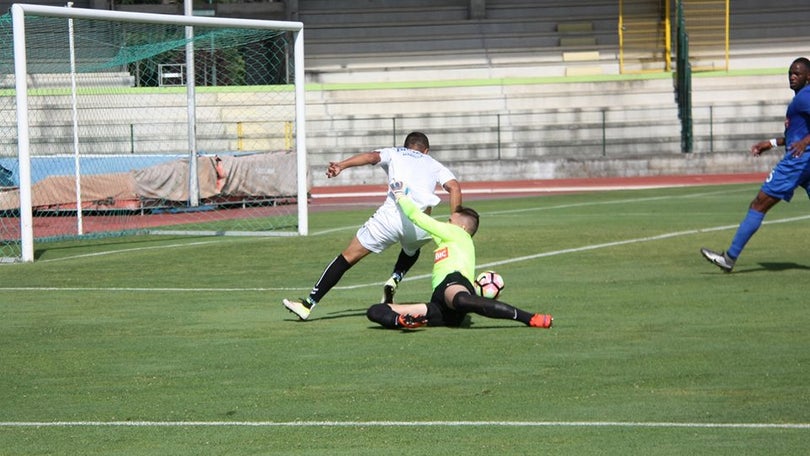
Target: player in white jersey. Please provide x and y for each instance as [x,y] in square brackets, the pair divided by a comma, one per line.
[388,225]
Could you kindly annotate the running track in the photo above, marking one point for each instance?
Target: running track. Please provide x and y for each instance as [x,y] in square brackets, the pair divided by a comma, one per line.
[323,197]
[337,197]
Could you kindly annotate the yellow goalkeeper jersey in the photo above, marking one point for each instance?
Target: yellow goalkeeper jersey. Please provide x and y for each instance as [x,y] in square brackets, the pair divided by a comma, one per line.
[455,250]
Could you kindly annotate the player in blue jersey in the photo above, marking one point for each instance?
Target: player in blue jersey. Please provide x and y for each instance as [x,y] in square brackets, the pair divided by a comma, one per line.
[387,226]
[792,171]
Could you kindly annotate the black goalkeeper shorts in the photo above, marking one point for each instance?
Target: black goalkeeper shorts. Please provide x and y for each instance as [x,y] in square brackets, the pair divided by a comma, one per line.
[439,313]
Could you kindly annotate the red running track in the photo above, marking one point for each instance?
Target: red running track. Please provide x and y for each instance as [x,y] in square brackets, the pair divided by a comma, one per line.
[371,194]
[332,198]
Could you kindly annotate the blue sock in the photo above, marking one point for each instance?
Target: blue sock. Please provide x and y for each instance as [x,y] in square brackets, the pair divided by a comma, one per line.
[749,226]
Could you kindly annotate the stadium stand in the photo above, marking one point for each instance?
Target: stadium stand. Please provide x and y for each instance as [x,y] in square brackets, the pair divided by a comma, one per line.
[568,48]
[533,87]
[397,40]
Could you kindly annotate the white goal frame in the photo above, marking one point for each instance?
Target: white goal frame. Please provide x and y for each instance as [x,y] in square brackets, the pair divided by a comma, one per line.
[19,11]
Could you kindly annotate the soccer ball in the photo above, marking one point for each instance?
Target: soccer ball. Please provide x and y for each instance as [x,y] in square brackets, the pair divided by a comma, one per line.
[489,284]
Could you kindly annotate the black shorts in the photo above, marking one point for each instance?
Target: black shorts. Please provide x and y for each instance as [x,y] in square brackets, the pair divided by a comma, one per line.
[439,313]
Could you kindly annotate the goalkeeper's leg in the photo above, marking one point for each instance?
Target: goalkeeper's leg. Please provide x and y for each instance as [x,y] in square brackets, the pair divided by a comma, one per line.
[386,315]
[490,308]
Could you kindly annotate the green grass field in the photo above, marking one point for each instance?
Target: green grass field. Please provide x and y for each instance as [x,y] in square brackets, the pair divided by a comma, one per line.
[179,346]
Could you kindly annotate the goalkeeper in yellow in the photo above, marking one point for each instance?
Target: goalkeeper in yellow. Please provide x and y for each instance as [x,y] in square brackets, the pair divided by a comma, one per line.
[453,272]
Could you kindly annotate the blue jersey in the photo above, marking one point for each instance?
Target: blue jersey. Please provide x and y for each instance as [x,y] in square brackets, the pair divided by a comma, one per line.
[792,172]
[797,119]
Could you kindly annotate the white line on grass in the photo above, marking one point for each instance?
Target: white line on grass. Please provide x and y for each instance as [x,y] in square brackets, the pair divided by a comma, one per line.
[135,249]
[632,241]
[175,290]
[621,201]
[337,229]
[592,247]
[626,424]
[425,276]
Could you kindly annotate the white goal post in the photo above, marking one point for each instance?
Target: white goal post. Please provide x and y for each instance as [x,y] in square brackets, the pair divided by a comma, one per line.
[149,123]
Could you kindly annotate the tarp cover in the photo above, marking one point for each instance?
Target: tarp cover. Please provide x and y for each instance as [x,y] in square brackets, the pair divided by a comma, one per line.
[271,174]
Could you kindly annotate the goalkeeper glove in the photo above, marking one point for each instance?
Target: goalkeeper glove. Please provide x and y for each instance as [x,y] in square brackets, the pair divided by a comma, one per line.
[398,188]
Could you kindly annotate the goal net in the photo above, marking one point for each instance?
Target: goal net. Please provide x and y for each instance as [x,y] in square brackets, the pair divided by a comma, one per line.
[117,122]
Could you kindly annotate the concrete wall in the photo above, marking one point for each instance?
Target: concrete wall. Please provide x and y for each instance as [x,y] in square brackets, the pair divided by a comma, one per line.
[505,170]
[520,131]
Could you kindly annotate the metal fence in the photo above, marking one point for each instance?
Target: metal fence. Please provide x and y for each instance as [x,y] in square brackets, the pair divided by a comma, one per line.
[579,133]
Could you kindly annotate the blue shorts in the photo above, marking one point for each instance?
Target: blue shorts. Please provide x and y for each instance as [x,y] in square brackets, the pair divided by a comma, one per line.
[789,174]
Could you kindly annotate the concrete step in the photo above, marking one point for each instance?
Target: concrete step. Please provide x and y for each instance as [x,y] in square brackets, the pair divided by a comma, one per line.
[491,98]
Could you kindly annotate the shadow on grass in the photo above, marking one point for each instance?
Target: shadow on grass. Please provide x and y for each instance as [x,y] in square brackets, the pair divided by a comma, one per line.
[467,324]
[777,267]
[352,313]
[769,267]
[344,314]
[451,328]
[332,315]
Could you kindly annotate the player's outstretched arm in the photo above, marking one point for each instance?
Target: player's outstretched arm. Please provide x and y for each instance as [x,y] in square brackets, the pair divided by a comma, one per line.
[365,158]
[441,230]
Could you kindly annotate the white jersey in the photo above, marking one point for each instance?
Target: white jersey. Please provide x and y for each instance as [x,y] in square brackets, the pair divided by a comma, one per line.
[420,173]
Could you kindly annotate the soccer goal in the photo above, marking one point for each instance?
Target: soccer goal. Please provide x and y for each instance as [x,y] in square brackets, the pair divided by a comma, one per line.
[119,122]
